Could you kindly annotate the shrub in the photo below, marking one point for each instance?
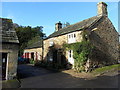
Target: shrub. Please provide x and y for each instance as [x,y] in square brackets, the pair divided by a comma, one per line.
[37,63]
[81,51]
[32,61]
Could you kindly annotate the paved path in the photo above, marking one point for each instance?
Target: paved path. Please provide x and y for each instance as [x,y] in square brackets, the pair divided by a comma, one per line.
[33,77]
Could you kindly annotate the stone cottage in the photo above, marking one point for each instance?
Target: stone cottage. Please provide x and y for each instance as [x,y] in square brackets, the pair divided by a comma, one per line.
[9,49]
[34,51]
[99,31]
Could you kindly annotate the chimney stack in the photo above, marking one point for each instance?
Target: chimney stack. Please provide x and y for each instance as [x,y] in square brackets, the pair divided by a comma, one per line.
[102,9]
[58,26]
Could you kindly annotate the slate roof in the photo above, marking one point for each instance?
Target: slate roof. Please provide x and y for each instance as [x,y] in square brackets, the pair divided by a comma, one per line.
[7,32]
[35,45]
[76,27]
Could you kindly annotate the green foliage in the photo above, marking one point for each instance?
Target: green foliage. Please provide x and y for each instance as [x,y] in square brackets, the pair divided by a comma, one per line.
[106,69]
[81,51]
[9,20]
[37,63]
[14,83]
[27,33]
[32,61]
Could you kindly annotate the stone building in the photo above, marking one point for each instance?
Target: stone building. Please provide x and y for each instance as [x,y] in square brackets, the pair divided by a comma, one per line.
[34,51]
[100,32]
[9,51]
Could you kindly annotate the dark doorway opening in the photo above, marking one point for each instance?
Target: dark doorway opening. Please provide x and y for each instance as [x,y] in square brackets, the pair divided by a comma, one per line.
[4,65]
[55,56]
[63,60]
[32,55]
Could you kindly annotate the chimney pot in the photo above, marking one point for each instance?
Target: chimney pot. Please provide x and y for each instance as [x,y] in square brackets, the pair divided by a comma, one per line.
[102,9]
[58,26]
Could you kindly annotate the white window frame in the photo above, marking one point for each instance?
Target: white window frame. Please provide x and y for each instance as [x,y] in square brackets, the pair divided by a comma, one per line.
[71,38]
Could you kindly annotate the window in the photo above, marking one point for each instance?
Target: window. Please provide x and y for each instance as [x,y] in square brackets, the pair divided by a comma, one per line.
[70,53]
[72,38]
[74,35]
[69,36]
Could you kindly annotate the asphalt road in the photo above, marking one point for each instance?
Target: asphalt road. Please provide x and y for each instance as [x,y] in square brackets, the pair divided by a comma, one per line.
[34,77]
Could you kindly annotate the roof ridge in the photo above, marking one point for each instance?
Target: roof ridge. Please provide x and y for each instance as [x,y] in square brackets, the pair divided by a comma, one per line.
[77,22]
[95,21]
[77,26]
[34,44]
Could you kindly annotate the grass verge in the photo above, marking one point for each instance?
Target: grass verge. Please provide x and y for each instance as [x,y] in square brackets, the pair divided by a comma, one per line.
[11,83]
[102,70]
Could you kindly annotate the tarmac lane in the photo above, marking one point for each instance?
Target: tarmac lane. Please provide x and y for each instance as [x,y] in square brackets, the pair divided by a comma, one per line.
[36,77]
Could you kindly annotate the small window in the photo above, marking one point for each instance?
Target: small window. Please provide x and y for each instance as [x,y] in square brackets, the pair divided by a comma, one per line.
[70,53]
[69,36]
[74,35]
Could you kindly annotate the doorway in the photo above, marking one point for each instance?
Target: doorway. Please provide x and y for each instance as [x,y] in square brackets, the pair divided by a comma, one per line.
[32,55]
[4,65]
[70,57]
[55,56]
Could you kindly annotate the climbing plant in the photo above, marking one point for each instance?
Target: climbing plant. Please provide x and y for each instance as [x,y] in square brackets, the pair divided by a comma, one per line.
[81,52]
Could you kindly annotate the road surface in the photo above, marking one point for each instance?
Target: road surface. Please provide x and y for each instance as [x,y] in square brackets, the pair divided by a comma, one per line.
[34,77]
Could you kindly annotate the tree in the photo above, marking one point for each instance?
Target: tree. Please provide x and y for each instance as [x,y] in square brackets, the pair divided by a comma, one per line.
[27,33]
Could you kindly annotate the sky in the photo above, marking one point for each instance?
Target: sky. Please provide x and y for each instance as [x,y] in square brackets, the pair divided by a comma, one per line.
[46,14]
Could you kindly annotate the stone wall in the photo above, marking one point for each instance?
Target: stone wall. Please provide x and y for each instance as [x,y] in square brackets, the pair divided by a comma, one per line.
[105,39]
[38,50]
[10,45]
[12,55]
[59,41]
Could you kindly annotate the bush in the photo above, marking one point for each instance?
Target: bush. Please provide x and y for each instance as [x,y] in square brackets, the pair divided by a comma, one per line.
[32,61]
[37,63]
[81,52]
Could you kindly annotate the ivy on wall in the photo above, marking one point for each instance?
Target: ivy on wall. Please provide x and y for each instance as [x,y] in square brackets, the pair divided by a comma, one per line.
[81,51]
